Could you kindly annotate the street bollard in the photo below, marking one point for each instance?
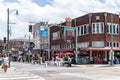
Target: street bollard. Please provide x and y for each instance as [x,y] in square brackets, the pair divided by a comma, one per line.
[45,63]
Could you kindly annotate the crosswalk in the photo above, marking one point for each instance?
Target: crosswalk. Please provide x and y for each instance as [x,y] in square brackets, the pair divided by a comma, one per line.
[19,76]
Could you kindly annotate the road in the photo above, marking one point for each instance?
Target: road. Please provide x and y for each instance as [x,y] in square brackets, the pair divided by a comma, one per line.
[25,71]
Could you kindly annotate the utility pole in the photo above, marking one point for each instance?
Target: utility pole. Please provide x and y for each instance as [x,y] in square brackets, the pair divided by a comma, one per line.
[8,32]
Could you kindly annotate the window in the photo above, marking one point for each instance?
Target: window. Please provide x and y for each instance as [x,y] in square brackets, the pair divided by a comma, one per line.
[93,28]
[115,44]
[114,29]
[98,28]
[83,29]
[56,35]
[97,17]
[97,44]
[83,45]
[102,28]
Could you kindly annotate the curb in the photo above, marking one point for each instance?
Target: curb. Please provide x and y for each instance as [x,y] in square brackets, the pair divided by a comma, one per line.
[88,66]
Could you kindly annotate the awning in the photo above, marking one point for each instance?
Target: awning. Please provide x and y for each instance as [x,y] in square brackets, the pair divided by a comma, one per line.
[59,54]
[105,48]
[63,54]
[69,53]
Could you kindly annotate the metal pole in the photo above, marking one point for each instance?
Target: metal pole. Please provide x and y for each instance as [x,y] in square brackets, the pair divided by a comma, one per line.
[48,42]
[111,37]
[29,37]
[29,50]
[76,52]
[8,32]
[8,46]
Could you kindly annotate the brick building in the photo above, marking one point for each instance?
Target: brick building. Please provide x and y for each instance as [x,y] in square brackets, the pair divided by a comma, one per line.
[93,40]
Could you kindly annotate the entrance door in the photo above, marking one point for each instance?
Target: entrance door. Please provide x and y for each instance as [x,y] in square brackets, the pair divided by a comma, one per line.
[98,57]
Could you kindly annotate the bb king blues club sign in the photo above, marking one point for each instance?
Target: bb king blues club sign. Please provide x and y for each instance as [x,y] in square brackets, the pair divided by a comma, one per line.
[69,31]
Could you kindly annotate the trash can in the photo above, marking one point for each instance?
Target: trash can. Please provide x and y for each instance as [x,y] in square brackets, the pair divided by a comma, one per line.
[0,61]
[78,60]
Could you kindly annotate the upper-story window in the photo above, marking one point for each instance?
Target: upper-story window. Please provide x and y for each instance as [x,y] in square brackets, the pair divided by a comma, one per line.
[83,44]
[56,35]
[97,28]
[114,29]
[115,44]
[97,44]
[83,29]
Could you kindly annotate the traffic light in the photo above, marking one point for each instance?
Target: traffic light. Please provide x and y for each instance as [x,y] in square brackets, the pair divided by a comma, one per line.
[4,40]
[30,28]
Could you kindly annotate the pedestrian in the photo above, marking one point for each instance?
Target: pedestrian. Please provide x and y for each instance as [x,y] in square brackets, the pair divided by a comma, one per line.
[40,59]
[69,61]
[5,63]
[35,58]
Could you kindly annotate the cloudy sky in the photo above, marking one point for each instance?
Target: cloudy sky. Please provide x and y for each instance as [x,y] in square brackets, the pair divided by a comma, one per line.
[53,11]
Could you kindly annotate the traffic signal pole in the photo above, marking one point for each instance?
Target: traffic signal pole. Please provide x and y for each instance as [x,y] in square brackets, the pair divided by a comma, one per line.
[29,50]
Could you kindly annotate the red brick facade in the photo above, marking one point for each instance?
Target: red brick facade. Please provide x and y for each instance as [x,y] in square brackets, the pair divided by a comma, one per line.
[99,54]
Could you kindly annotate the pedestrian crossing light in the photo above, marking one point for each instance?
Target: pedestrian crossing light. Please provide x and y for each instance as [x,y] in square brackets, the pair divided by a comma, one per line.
[30,28]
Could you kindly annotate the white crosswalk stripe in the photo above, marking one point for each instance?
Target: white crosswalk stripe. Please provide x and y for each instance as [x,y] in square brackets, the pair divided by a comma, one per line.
[19,76]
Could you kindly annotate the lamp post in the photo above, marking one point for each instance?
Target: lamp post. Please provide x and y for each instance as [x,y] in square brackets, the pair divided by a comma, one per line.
[76,38]
[8,44]
[111,54]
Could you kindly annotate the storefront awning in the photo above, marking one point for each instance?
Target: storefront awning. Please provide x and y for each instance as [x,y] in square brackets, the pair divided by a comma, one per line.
[105,48]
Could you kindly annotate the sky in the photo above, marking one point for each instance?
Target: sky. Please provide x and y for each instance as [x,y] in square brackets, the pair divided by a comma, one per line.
[52,11]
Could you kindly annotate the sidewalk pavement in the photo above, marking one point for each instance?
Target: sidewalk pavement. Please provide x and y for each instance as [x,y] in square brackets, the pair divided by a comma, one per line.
[95,65]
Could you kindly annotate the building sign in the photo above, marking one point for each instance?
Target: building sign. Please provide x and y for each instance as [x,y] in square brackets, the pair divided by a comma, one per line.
[43,32]
[43,29]
[68,21]
[69,31]
[69,34]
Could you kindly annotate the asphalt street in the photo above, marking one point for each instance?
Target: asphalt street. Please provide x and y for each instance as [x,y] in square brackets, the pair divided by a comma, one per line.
[26,71]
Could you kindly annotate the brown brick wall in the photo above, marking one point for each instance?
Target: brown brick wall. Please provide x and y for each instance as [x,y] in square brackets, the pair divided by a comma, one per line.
[91,37]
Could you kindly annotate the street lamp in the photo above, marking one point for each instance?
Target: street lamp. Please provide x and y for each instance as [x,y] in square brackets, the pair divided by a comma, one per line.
[8,45]
[76,50]
[111,54]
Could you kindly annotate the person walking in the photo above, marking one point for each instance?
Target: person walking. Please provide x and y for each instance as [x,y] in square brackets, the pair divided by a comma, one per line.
[35,58]
[40,59]
[5,63]
[69,61]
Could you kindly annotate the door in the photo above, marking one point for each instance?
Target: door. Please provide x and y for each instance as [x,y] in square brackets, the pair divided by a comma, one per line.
[98,57]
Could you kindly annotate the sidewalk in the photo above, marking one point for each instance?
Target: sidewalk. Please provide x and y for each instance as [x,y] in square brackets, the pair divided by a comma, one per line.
[95,65]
